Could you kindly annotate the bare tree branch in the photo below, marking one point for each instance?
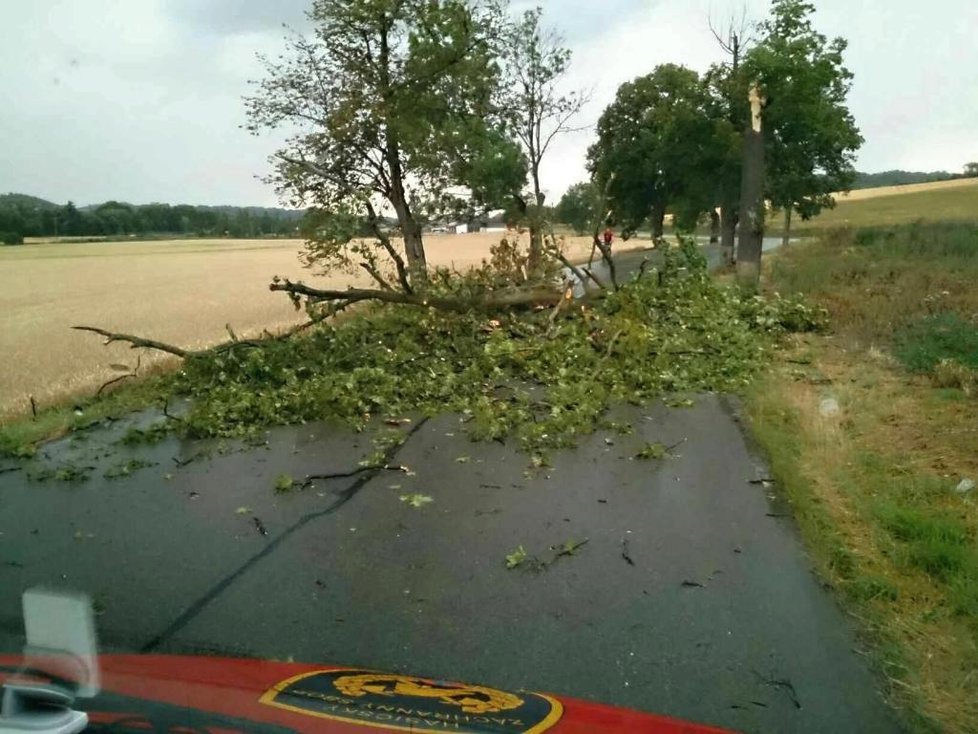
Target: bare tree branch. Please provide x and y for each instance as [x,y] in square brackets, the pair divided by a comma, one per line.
[135,342]
[489,301]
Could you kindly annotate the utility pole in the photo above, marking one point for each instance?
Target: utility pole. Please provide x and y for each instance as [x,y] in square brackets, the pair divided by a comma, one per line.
[751,238]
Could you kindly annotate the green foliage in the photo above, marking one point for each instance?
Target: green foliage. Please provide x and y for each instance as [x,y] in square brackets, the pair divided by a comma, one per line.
[146,436]
[516,558]
[936,542]
[789,314]
[579,207]
[391,101]
[653,451]
[69,473]
[126,468]
[659,145]
[11,238]
[924,344]
[284,483]
[26,216]
[811,137]
[514,376]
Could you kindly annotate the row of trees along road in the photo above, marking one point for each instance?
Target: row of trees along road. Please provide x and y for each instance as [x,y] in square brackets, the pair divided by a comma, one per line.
[435,110]
[674,140]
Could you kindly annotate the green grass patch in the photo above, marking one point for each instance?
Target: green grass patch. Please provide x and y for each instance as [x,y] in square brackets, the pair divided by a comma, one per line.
[940,204]
[20,437]
[924,344]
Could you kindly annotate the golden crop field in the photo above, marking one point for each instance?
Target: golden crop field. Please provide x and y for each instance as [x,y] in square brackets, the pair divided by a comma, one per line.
[177,291]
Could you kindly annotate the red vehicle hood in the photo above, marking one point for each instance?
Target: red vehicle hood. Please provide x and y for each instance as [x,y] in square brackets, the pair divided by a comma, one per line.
[193,695]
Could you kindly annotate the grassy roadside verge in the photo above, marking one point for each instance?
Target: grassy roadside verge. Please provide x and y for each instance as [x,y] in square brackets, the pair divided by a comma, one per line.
[870,430]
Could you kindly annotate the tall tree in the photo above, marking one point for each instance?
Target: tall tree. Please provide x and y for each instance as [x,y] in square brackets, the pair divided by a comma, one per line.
[656,148]
[752,203]
[811,136]
[391,100]
[725,82]
[536,110]
[578,208]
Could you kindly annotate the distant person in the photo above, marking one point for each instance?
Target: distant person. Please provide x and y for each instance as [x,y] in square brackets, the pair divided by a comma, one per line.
[609,237]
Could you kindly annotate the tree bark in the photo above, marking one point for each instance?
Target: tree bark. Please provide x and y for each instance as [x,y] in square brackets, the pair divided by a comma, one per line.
[410,229]
[752,197]
[728,233]
[786,235]
[658,221]
[714,226]
[534,263]
[489,301]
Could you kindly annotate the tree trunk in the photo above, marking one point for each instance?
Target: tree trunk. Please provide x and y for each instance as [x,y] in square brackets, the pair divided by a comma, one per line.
[658,219]
[534,263]
[728,233]
[786,235]
[714,226]
[417,263]
[752,197]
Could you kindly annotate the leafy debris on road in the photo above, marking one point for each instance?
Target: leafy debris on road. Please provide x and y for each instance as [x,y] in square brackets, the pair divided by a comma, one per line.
[516,558]
[681,332]
[521,559]
[284,483]
[678,402]
[687,584]
[126,468]
[416,500]
[260,526]
[243,511]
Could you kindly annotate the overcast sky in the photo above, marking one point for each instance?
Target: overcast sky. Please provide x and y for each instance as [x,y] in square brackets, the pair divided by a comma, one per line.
[140,100]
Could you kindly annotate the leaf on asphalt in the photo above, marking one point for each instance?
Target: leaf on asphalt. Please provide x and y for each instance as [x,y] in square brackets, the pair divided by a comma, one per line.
[284,483]
[676,402]
[569,548]
[416,500]
[652,451]
[260,526]
[243,511]
[516,558]
[463,459]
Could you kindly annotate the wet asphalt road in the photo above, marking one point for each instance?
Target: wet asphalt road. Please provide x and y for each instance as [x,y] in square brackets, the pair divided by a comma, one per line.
[692,596]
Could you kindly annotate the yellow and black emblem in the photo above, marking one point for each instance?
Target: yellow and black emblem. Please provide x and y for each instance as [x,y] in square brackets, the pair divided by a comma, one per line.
[413,704]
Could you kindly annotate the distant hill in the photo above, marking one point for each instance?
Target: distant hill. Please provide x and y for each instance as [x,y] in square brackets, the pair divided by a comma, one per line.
[26,201]
[899,178]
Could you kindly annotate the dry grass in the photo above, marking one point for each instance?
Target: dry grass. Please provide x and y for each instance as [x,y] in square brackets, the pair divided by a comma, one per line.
[873,485]
[842,474]
[180,291]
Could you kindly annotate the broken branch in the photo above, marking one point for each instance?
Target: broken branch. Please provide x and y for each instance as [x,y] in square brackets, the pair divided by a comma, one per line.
[543,296]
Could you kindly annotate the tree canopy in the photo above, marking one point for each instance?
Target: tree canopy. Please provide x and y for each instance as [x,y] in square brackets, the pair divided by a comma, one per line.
[810,135]
[392,103]
[658,147]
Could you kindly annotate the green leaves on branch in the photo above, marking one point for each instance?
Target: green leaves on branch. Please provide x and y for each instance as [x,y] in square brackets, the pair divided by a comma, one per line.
[511,376]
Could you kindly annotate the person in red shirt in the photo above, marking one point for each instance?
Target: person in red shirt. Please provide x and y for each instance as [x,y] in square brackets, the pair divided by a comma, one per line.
[609,237]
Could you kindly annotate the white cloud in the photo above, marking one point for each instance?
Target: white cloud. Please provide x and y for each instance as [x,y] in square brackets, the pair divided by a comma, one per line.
[141,99]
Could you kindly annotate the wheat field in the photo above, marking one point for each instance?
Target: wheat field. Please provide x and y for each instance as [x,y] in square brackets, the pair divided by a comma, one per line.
[177,291]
